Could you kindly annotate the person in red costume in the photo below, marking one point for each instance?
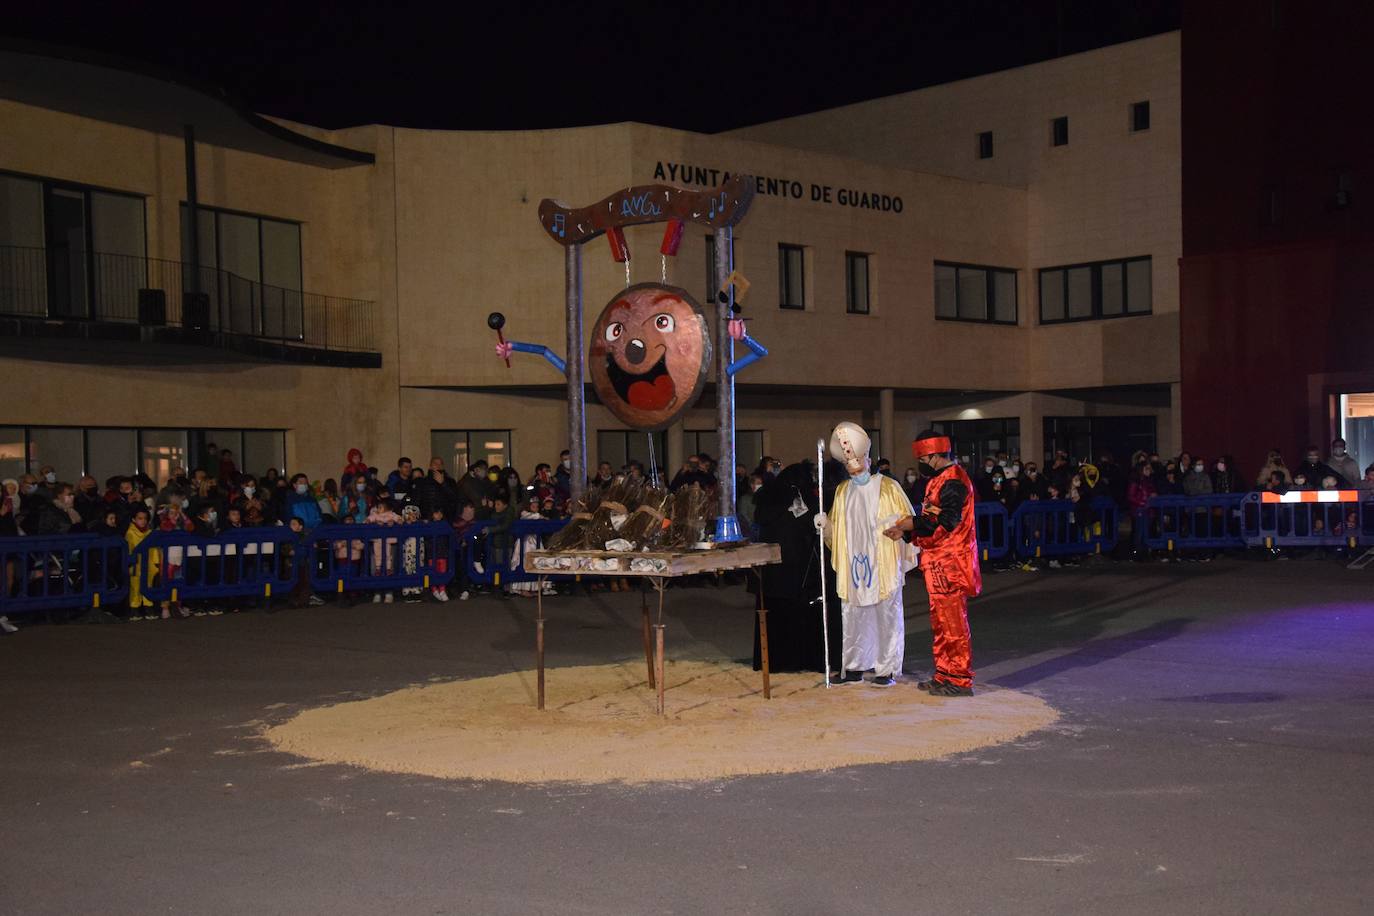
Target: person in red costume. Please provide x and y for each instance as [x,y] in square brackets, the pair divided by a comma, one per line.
[356,467]
[945,532]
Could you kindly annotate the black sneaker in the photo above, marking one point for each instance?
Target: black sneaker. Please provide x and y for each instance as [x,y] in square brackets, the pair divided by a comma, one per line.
[848,677]
[946,689]
[882,680]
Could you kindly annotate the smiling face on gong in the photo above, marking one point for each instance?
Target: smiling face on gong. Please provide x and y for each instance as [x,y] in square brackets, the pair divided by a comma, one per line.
[649,355]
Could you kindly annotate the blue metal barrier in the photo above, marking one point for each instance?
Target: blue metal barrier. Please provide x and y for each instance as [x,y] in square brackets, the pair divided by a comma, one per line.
[1208,522]
[1051,528]
[63,571]
[992,526]
[180,566]
[1304,524]
[500,561]
[380,557]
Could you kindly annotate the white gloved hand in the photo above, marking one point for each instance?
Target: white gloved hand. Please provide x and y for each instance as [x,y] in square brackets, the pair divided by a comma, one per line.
[822,522]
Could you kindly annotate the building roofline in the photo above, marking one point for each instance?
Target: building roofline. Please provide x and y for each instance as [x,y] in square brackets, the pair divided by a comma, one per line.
[101,86]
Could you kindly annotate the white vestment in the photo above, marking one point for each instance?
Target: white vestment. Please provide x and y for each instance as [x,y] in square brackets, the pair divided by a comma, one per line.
[874,627]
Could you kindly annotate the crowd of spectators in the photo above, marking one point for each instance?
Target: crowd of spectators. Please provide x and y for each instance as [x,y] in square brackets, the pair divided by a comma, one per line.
[218,496]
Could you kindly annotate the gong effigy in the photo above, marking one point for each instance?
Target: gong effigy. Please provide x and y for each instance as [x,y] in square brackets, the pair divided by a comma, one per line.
[650,354]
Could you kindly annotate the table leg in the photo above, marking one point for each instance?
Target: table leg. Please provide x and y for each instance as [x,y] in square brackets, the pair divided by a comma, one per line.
[648,639]
[763,636]
[658,663]
[539,640]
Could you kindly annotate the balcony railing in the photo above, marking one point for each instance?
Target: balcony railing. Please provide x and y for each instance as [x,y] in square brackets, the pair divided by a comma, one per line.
[208,306]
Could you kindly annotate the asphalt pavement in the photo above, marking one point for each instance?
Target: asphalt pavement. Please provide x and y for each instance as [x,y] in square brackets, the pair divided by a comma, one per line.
[1213,756]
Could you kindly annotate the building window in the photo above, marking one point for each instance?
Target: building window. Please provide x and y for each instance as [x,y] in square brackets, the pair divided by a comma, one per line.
[105,452]
[974,440]
[69,250]
[1105,289]
[1088,438]
[791,276]
[461,447]
[748,446]
[621,446]
[1140,116]
[856,283]
[1059,132]
[250,267]
[985,145]
[970,292]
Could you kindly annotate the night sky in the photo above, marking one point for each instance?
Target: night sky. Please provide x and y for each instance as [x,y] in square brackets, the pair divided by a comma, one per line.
[693,65]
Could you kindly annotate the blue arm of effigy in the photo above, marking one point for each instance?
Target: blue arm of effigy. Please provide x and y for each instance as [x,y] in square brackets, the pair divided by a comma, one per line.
[540,350]
[757,351]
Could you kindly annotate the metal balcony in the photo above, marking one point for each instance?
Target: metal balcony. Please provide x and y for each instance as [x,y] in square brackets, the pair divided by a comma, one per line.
[67,293]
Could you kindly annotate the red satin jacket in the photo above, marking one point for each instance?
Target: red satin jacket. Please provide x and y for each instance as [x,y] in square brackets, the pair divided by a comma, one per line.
[949,556]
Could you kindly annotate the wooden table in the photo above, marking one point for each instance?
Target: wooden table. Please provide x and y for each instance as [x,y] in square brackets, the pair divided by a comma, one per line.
[658,568]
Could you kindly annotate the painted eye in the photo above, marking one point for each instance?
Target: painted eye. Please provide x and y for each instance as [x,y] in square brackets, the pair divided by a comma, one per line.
[613,331]
[664,323]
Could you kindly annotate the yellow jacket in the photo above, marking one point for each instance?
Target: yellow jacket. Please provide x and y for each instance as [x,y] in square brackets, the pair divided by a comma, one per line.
[892,502]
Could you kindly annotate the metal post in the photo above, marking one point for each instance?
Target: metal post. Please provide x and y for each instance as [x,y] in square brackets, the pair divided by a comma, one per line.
[577,408]
[539,641]
[192,207]
[727,526]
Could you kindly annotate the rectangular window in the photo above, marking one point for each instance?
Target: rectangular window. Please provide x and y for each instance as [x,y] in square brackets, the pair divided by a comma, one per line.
[856,283]
[111,453]
[748,446]
[710,269]
[1140,116]
[1088,438]
[985,145]
[974,440]
[1059,132]
[621,446]
[1104,289]
[62,447]
[970,292]
[12,462]
[251,270]
[791,277]
[69,250]
[460,447]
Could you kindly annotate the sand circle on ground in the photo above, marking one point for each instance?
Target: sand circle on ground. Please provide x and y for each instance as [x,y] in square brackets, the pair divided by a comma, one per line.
[600,726]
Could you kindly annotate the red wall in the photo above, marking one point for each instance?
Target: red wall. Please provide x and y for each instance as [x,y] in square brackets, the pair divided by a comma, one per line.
[1275,99]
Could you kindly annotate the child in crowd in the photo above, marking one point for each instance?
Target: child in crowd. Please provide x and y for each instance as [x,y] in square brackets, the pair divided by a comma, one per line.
[143,568]
[412,553]
[383,550]
[528,542]
[440,592]
[467,517]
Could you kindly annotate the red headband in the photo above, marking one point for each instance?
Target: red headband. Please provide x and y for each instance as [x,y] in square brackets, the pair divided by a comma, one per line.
[937,445]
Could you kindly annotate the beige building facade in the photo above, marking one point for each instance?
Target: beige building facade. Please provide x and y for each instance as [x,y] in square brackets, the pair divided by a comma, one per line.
[897,273]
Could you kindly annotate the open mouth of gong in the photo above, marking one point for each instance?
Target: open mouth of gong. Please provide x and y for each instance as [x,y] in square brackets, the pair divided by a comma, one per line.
[652,389]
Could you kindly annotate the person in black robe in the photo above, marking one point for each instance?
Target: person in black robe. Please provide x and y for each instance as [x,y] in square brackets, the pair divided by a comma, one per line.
[791,589]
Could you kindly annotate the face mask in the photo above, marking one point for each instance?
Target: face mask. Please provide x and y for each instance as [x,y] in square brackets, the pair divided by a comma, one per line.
[301,488]
[911,478]
[925,470]
[567,462]
[212,516]
[249,491]
[1198,468]
[362,487]
[1001,463]
[996,478]
[987,468]
[50,477]
[1015,469]
[1300,480]
[31,488]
